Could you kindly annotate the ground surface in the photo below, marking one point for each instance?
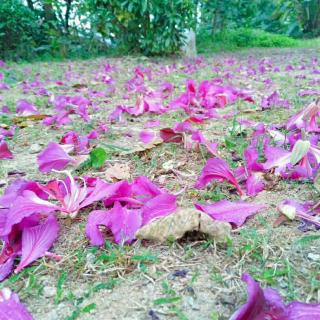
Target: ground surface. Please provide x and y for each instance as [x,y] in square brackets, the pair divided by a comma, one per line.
[191,278]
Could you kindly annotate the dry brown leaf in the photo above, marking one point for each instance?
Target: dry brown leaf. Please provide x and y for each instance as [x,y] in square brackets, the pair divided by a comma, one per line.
[175,225]
[118,172]
[144,147]
[35,117]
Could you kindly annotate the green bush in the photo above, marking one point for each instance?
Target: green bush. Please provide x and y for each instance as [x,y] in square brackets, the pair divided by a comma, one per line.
[19,30]
[149,27]
[242,38]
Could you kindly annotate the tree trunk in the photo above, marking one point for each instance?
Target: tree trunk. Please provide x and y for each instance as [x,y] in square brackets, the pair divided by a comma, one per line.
[30,5]
[67,16]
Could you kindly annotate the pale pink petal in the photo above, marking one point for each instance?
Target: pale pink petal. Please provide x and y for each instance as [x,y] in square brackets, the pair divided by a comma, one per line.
[100,190]
[144,188]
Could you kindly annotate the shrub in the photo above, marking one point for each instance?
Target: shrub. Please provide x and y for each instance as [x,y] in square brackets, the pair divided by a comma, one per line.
[19,30]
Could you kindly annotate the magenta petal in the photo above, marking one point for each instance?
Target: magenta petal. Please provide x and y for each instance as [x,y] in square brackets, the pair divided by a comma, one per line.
[16,188]
[146,136]
[11,308]
[159,206]
[124,223]
[37,240]
[303,311]
[251,155]
[235,213]
[266,303]
[5,153]
[6,268]
[53,157]
[254,185]
[255,302]
[96,218]
[101,190]
[276,158]
[144,188]
[152,123]
[25,206]
[217,169]
[25,108]
[169,135]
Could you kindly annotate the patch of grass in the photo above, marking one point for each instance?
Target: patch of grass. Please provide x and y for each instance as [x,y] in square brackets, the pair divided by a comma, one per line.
[230,40]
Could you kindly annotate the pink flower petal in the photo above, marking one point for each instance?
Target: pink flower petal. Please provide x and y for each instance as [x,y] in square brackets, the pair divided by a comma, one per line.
[5,153]
[25,206]
[146,136]
[266,303]
[37,240]
[25,108]
[53,157]
[124,223]
[159,206]
[6,268]
[276,158]
[217,169]
[235,213]
[97,218]
[254,185]
[11,308]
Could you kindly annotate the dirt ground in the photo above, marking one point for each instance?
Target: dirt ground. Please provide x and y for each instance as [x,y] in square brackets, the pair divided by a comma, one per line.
[193,278]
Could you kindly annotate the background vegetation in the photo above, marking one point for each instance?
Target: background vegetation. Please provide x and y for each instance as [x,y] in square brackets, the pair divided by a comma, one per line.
[83,28]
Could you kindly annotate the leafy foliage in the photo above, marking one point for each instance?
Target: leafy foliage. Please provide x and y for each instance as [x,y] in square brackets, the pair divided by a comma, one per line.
[84,28]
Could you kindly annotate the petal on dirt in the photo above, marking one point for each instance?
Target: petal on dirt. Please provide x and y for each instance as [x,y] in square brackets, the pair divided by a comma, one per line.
[6,268]
[217,169]
[5,153]
[268,304]
[25,108]
[235,213]
[53,157]
[124,223]
[276,158]
[146,136]
[37,240]
[159,206]
[11,308]
[25,206]
[97,218]
[254,185]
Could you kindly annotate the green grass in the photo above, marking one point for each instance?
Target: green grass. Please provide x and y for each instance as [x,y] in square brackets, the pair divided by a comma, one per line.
[230,40]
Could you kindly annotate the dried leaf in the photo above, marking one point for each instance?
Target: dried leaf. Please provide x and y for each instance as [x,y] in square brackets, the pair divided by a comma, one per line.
[144,147]
[175,225]
[35,117]
[317,181]
[118,172]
